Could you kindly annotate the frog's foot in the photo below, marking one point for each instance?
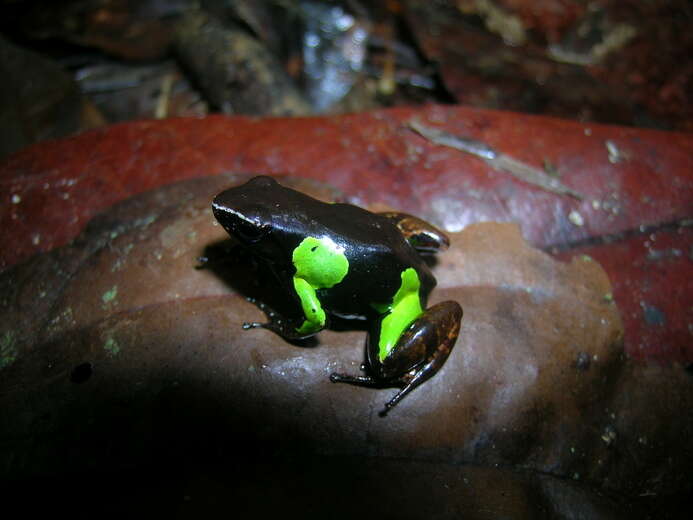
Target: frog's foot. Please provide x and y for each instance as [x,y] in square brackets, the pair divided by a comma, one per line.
[269,312]
[277,323]
[415,377]
[371,382]
[247,325]
[336,377]
[407,384]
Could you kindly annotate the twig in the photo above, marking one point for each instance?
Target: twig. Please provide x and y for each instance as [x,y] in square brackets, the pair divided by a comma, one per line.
[498,161]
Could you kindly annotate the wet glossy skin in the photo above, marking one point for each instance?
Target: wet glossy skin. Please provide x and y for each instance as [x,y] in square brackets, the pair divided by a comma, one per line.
[341,260]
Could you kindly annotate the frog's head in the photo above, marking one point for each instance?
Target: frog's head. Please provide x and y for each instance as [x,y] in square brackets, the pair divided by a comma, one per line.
[243,211]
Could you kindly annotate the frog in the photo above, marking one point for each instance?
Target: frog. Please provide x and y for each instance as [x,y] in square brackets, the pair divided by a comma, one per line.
[339,261]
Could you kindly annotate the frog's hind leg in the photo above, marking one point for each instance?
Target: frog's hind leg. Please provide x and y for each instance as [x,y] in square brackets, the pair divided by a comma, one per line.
[419,375]
[428,340]
[437,329]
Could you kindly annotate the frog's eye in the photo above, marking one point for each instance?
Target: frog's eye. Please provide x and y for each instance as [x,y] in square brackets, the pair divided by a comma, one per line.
[250,232]
[245,228]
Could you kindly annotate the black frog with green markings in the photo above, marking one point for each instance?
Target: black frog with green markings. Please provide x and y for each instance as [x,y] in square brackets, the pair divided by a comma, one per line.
[341,260]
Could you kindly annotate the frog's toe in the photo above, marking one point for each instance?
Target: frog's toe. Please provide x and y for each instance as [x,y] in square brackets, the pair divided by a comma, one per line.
[336,377]
[247,325]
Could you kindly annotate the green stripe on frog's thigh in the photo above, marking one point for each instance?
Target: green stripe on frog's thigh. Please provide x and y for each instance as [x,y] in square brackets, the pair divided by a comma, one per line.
[406,307]
[320,264]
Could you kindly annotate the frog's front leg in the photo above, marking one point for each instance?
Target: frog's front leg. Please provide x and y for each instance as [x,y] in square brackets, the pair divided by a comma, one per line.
[419,353]
[320,264]
[312,320]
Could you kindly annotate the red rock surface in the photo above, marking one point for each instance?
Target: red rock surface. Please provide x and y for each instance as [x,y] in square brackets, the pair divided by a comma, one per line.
[652,280]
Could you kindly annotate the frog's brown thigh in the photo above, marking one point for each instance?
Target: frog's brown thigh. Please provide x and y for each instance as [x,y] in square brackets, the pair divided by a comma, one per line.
[438,327]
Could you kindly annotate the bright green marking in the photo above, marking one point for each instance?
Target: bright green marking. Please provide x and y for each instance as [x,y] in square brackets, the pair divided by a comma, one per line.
[406,307]
[111,346]
[320,264]
[109,295]
[8,349]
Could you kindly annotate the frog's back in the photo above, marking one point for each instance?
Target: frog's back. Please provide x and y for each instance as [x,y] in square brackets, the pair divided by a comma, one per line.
[377,253]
